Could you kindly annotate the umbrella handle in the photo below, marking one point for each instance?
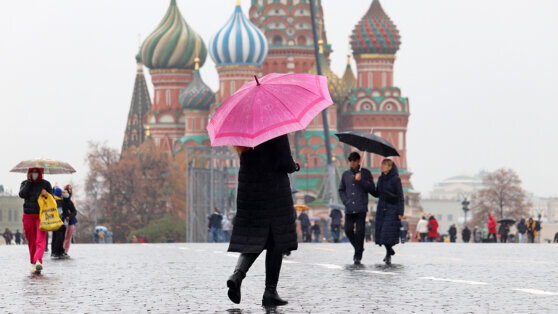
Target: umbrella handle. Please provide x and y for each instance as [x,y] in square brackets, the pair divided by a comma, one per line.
[257,81]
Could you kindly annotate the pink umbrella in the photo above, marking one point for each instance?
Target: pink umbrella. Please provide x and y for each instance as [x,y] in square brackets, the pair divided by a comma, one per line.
[261,110]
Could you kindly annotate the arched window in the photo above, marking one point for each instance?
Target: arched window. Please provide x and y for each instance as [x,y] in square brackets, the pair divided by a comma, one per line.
[277,40]
[301,40]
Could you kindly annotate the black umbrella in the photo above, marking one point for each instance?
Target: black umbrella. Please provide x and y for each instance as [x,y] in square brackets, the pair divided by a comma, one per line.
[507,220]
[368,142]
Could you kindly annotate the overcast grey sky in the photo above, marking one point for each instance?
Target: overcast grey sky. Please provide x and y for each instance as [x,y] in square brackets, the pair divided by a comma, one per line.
[480,76]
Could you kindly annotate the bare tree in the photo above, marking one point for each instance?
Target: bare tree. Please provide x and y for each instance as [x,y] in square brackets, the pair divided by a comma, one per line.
[502,194]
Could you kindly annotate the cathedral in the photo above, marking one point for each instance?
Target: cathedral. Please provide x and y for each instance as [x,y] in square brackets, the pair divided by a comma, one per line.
[275,36]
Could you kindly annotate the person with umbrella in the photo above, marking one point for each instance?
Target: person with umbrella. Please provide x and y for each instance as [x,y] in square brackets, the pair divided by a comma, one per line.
[354,187]
[391,208]
[256,121]
[30,191]
[336,217]
[305,226]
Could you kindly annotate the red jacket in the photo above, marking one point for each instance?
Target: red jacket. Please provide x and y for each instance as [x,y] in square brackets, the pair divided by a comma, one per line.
[491,223]
[433,228]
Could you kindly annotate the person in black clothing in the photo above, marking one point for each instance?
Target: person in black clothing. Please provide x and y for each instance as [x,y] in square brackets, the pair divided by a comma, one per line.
[69,214]
[215,226]
[521,230]
[305,227]
[452,233]
[355,185]
[17,237]
[466,234]
[504,230]
[58,236]
[390,210]
[30,191]
[336,217]
[265,217]
[316,231]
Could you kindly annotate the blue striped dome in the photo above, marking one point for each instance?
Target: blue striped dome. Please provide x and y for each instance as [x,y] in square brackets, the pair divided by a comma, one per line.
[238,42]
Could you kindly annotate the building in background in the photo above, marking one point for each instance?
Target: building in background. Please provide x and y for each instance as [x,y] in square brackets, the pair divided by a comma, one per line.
[456,187]
[11,212]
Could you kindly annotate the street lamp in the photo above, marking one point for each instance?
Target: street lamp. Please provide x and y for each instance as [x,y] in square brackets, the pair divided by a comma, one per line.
[465,205]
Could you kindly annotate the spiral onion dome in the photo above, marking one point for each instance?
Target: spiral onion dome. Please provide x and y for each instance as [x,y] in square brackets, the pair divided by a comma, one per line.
[375,33]
[239,42]
[337,89]
[173,44]
[197,95]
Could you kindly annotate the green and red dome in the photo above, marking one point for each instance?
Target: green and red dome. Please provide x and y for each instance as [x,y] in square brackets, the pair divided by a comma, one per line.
[375,33]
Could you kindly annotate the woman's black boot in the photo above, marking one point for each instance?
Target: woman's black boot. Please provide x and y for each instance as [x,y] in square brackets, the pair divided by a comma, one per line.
[273,261]
[234,282]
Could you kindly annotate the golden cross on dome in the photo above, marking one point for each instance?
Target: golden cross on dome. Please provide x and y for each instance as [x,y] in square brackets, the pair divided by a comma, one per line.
[197,61]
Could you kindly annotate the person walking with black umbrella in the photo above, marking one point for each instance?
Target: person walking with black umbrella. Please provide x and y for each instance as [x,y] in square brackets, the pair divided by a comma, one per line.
[391,208]
[354,187]
[265,217]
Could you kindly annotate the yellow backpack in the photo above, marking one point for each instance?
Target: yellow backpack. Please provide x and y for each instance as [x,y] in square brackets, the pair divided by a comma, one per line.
[50,220]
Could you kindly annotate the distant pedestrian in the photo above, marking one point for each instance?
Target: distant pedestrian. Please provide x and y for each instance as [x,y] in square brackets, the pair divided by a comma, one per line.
[17,236]
[227,228]
[484,235]
[491,228]
[452,233]
[70,216]
[336,217]
[390,210]
[555,238]
[466,234]
[404,230]
[531,230]
[433,234]
[265,215]
[422,229]
[354,187]
[316,231]
[305,226]
[521,230]
[215,226]
[477,235]
[31,189]
[503,232]
[57,244]
[134,239]
[7,236]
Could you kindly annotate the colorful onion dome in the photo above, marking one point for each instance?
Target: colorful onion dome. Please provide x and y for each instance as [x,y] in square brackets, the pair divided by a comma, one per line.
[239,42]
[375,33]
[335,85]
[349,79]
[173,44]
[197,95]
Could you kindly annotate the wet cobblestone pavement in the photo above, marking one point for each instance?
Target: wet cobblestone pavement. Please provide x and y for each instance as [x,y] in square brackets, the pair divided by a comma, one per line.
[318,278]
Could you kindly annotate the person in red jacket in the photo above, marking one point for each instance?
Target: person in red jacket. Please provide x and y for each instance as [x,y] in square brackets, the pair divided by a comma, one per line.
[432,229]
[491,228]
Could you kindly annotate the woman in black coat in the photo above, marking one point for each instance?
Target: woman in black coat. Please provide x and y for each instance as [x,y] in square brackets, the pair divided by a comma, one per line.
[391,207]
[265,216]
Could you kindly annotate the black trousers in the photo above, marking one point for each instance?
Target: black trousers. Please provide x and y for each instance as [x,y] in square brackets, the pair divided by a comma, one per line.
[354,229]
[57,244]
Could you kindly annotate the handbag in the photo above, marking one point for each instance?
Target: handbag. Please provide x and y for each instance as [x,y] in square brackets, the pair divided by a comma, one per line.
[48,215]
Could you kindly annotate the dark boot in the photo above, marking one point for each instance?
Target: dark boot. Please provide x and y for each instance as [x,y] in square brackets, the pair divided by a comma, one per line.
[234,282]
[387,259]
[273,261]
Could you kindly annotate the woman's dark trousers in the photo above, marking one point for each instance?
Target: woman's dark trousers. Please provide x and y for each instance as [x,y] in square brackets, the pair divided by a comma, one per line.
[57,244]
[352,222]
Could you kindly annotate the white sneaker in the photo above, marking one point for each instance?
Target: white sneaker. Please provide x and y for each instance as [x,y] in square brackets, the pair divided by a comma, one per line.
[38,267]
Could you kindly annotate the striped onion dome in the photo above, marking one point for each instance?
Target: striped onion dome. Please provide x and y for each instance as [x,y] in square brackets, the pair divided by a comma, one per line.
[173,44]
[238,42]
[375,33]
[197,95]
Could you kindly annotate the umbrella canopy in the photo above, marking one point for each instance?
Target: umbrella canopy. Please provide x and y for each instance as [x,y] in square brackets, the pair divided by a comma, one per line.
[101,228]
[301,207]
[264,109]
[49,166]
[336,206]
[507,220]
[368,142]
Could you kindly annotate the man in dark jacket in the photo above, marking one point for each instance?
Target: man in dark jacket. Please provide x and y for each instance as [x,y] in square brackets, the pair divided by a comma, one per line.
[336,217]
[316,231]
[355,185]
[466,234]
[305,227]
[215,226]
[17,237]
[452,233]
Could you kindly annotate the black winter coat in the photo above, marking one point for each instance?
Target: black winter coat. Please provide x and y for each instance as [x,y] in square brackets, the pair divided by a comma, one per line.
[264,200]
[304,220]
[69,209]
[30,192]
[466,235]
[391,204]
[336,217]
